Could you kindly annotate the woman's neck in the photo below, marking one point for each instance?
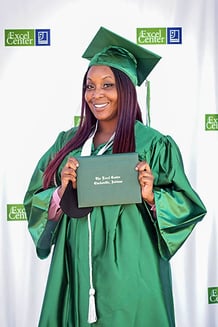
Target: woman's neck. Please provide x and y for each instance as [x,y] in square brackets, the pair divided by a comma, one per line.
[103,134]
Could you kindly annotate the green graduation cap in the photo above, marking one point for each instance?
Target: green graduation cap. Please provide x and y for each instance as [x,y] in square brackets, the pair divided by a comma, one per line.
[110,49]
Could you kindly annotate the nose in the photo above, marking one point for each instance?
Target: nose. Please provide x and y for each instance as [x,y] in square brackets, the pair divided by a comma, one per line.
[98,92]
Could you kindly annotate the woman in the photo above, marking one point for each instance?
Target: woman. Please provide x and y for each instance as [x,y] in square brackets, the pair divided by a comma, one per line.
[111,266]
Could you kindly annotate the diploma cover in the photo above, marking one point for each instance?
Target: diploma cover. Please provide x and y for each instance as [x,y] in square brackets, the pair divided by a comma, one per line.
[108,180]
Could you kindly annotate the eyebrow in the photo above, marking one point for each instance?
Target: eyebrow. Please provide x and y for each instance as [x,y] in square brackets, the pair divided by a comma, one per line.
[105,77]
[108,76]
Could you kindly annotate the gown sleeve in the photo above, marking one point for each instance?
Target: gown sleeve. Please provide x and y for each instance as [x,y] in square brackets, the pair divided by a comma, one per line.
[178,206]
[37,202]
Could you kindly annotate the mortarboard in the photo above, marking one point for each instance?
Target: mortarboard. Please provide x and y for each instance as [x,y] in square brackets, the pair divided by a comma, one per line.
[110,49]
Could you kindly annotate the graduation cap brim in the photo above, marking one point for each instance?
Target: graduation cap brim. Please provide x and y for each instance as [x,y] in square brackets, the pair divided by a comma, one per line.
[146,60]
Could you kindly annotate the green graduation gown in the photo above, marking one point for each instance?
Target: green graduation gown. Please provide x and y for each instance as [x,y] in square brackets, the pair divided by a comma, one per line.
[130,249]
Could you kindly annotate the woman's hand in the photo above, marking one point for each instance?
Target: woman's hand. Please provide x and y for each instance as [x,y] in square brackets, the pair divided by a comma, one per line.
[146,180]
[68,174]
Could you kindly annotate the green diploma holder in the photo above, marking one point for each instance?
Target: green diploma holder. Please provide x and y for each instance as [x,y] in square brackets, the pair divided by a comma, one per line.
[108,180]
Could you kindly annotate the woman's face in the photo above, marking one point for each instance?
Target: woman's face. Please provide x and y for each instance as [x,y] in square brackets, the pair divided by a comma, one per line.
[101,93]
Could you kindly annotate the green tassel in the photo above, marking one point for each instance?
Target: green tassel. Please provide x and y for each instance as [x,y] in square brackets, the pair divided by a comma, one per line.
[148,98]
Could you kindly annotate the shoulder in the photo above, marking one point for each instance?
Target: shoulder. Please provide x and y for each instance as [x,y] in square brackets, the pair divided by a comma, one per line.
[144,133]
[151,141]
[65,136]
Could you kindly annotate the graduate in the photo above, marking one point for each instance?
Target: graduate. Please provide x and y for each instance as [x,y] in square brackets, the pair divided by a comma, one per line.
[110,264]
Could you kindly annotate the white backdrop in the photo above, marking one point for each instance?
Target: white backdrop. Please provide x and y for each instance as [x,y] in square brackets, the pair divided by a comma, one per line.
[40,92]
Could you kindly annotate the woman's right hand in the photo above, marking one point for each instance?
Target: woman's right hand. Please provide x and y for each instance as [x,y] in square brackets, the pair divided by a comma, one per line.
[68,174]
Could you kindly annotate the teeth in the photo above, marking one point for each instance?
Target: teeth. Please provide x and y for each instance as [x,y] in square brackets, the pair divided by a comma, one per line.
[100,105]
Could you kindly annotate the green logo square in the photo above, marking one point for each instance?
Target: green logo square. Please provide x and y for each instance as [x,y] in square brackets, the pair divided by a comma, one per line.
[212,295]
[157,35]
[76,120]
[211,122]
[16,212]
[17,37]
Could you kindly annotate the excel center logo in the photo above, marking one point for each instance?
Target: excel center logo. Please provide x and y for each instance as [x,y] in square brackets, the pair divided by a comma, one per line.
[27,37]
[212,295]
[211,122]
[159,35]
[16,212]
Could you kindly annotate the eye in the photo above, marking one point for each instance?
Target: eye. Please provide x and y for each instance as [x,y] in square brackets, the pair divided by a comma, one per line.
[89,87]
[108,85]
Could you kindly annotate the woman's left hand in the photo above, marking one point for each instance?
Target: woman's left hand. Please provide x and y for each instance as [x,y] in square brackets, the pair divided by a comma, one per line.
[146,181]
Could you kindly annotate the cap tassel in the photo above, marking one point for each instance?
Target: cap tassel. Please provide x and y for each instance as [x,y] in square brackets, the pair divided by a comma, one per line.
[92,317]
[148,98]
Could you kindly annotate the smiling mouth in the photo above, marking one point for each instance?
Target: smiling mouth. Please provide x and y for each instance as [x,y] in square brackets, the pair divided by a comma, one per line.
[100,106]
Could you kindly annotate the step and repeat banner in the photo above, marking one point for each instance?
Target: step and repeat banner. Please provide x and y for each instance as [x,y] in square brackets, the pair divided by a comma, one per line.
[41,72]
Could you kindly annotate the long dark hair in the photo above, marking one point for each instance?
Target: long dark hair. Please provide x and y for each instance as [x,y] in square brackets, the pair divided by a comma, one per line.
[124,140]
